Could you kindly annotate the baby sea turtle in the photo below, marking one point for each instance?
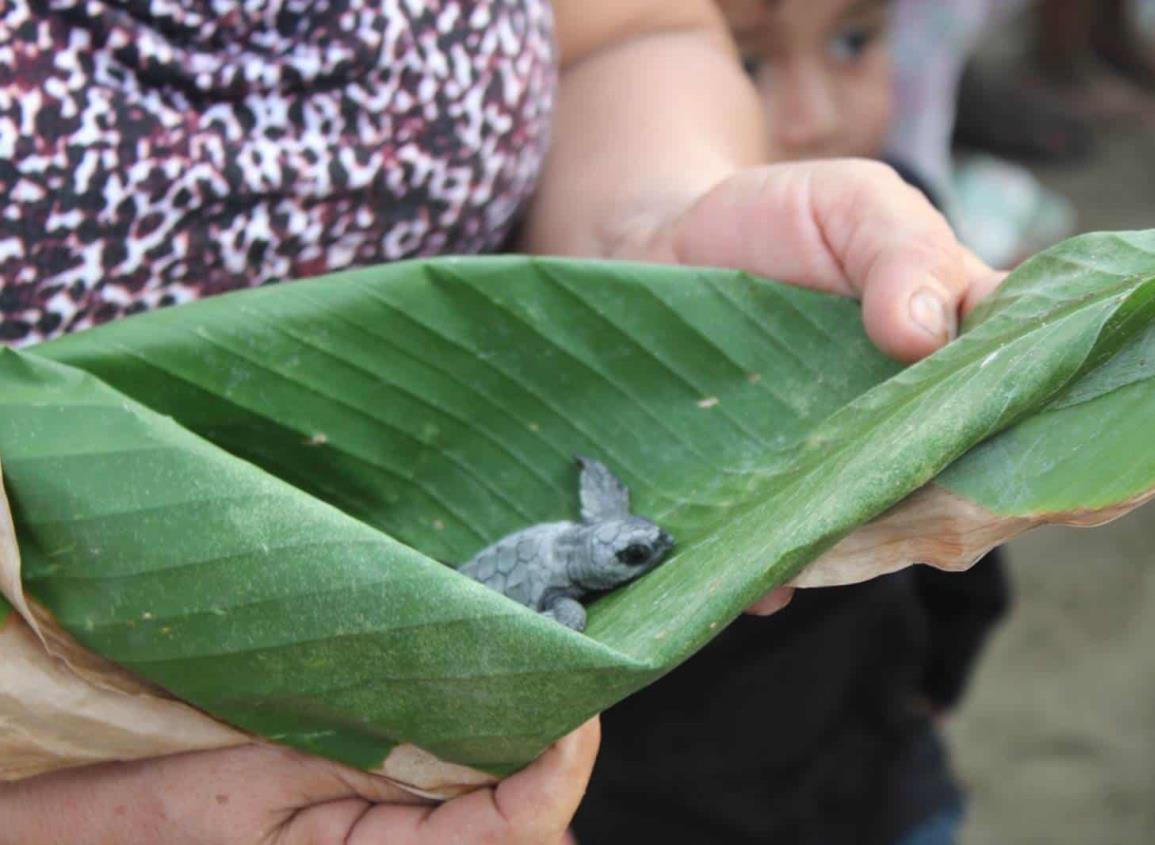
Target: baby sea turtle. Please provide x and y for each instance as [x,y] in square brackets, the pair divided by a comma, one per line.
[549,566]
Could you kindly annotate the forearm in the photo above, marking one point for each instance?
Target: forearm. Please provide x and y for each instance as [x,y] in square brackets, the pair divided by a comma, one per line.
[646,122]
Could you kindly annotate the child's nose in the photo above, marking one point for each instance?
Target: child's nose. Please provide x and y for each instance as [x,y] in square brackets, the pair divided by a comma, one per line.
[809,118]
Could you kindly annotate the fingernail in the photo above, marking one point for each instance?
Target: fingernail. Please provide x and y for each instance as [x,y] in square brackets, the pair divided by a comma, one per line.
[929,312]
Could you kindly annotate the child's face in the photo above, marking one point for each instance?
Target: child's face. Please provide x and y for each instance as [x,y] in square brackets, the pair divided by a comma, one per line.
[823,70]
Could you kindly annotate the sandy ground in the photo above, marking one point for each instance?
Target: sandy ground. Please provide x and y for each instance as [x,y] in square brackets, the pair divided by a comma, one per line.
[1057,737]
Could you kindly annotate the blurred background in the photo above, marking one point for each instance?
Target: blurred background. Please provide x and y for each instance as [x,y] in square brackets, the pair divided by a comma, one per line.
[1056,739]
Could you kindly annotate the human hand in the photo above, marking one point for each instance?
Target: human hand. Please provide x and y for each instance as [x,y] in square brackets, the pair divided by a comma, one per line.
[847,226]
[265,794]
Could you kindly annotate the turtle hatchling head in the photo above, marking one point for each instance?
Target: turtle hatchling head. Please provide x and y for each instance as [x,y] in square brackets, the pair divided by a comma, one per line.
[621,550]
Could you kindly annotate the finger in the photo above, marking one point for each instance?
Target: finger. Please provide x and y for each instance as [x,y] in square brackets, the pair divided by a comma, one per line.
[772,602]
[326,824]
[849,227]
[531,807]
[536,804]
[897,252]
[553,785]
[911,296]
[760,221]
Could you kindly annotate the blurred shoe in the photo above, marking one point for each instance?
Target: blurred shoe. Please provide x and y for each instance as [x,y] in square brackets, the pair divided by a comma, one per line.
[1003,213]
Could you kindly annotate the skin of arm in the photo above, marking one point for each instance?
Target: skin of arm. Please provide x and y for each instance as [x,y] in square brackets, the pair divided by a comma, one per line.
[640,79]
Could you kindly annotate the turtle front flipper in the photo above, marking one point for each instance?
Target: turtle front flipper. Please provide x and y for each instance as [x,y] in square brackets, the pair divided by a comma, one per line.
[603,496]
[568,612]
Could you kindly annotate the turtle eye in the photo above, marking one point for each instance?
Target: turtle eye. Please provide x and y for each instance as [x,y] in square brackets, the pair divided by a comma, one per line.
[634,554]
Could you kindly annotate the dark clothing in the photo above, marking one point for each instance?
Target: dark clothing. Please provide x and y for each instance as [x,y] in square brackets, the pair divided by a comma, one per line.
[961,610]
[811,726]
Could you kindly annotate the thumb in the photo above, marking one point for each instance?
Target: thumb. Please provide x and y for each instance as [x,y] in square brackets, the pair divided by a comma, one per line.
[550,790]
[536,804]
[852,227]
[532,807]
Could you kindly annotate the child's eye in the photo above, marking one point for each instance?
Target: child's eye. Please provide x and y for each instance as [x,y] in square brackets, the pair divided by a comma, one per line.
[751,64]
[850,43]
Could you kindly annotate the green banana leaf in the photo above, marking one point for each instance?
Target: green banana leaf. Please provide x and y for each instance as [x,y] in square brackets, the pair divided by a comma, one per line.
[246,500]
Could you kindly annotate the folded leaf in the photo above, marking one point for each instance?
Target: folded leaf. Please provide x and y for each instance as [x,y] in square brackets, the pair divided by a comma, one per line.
[1082,459]
[244,499]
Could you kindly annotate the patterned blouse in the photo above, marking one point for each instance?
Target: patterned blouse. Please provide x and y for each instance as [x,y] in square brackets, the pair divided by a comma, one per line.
[156,151]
